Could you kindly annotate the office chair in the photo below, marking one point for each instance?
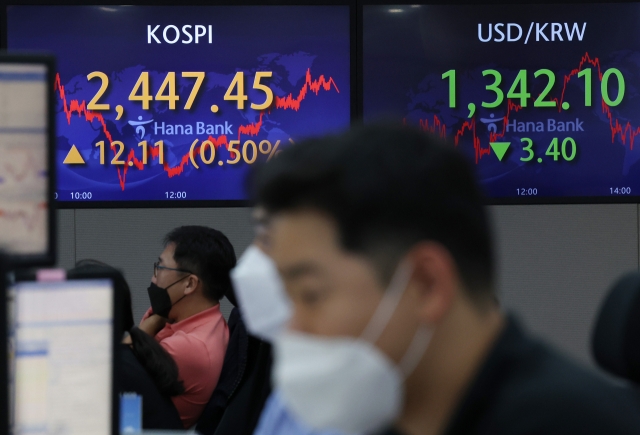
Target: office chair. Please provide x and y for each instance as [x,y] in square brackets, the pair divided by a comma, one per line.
[616,336]
[244,383]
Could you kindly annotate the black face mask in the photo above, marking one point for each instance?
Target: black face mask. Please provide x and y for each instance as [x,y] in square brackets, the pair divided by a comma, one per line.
[160,300]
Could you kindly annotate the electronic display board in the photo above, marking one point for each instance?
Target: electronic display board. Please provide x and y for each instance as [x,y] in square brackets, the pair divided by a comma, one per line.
[543,99]
[168,104]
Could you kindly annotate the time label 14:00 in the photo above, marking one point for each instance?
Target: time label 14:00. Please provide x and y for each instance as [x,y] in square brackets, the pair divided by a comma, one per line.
[518,89]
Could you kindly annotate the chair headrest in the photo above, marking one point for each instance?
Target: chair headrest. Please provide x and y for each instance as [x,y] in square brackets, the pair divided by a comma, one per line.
[616,337]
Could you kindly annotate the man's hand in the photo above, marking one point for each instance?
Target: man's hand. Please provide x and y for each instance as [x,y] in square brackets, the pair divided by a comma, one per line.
[153,324]
[127,340]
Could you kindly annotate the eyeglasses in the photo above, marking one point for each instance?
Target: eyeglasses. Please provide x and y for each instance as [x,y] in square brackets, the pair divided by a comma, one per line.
[157,266]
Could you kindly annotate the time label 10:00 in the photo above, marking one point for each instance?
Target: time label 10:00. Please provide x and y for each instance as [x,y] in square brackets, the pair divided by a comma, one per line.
[167,91]
[518,89]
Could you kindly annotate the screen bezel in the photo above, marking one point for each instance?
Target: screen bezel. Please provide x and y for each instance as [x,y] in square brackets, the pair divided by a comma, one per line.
[209,203]
[524,200]
[46,258]
[4,348]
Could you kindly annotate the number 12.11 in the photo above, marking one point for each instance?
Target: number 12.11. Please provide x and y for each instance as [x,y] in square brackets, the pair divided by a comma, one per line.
[120,149]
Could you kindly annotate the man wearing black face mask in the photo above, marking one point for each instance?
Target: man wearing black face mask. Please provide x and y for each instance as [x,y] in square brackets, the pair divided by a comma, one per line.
[189,278]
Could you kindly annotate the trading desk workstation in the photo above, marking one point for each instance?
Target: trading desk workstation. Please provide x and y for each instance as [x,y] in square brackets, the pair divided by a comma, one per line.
[156,109]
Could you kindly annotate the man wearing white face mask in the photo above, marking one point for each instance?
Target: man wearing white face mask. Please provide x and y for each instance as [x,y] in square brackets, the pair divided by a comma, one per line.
[265,307]
[266,310]
[383,244]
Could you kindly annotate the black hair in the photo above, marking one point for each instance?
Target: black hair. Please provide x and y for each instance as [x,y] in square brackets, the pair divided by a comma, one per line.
[160,366]
[387,187]
[206,253]
[88,268]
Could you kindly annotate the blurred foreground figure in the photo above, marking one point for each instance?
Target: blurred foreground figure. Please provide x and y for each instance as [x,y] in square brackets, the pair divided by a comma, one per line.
[384,247]
[616,336]
[266,310]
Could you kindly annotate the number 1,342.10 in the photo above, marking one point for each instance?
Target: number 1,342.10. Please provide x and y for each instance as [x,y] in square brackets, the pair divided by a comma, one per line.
[519,88]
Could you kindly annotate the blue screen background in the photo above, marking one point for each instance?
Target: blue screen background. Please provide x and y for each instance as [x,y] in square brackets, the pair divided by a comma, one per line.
[406,49]
[289,41]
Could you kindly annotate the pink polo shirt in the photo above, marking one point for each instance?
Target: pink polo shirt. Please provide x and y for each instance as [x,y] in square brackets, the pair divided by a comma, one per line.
[197,344]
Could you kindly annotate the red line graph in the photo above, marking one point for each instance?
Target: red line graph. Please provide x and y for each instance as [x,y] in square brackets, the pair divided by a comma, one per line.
[251,129]
[289,102]
[29,218]
[179,168]
[79,108]
[436,127]
[20,169]
[625,131]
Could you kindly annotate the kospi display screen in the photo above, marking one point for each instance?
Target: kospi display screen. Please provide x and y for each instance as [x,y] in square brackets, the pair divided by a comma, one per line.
[543,99]
[177,103]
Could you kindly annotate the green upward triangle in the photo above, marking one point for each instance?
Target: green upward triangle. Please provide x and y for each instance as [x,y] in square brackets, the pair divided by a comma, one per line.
[500,148]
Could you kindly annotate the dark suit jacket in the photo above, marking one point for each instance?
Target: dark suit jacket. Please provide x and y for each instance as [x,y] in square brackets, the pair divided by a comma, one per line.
[158,411]
[526,388]
[243,386]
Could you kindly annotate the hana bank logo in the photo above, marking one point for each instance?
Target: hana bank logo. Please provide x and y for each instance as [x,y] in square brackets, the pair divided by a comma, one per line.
[491,123]
[139,125]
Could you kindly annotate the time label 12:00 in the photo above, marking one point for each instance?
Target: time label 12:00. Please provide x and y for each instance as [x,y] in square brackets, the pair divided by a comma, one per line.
[518,89]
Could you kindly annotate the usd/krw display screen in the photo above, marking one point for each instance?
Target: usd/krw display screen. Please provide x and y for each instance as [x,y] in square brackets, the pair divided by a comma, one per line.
[177,103]
[542,99]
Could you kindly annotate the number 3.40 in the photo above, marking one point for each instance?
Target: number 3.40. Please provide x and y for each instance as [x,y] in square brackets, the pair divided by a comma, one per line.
[568,149]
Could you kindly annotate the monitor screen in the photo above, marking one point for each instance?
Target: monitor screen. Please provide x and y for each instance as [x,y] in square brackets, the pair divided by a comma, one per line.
[25,150]
[63,336]
[543,99]
[169,104]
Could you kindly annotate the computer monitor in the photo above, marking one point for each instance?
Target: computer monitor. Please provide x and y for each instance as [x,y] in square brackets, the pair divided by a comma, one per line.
[63,365]
[26,156]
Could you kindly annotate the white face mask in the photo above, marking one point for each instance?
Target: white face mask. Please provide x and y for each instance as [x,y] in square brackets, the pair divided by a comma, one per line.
[264,305]
[346,383]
